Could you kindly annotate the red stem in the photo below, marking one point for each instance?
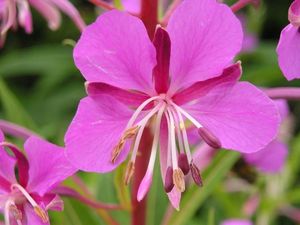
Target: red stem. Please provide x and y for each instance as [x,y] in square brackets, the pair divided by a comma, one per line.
[242,3]
[139,208]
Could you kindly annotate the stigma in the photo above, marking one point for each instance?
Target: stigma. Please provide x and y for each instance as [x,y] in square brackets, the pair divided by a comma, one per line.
[179,158]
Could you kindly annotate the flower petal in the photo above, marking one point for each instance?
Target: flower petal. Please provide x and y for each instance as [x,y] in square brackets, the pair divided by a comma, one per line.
[205,36]
[133,6]
[294,13]
[48,11]
[48,165]
[24,15]
[117,50]
[271,159]
[174,195]
[7,167]
[129,98]
[230,75]
[71,11]
[95,130]
[288,51]
[236,222]
[242,117]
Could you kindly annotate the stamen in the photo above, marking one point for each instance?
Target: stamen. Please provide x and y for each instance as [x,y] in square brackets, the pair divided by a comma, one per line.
[38,210]
[178,179]
[129,133]
[185,137]
[10,207]
[209,138]
[183,163]
[129,172]
[178,133]
[169,184]
[196,174]
[187,115]
[171,128]
[142,124]
[139,110]
[41,213]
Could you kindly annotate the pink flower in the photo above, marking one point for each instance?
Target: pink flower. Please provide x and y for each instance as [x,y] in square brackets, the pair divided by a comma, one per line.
[185,74]
[26,198]
[236,222]
[288,48]
[13,12]
[272,158]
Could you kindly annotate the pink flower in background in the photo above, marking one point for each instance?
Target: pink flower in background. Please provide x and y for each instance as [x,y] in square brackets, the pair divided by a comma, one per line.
[26,198]
[17,12]
[185,74]
[237,222]
[272,158]
[288,48]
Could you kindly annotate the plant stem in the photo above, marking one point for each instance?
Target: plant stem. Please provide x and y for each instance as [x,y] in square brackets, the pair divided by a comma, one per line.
[139,208]
[283,93]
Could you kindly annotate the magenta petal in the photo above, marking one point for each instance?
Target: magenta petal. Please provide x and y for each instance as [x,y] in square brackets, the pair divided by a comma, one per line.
[283,108]
[288,51]
[48,165]
[203,156]
[24,15]
[71,11]
[48,11]
[230,76]
[7,167]
[95,130]
[31,217]
[205,37]
[271,159]
[242,117]
[236,222]
[174,195]
[133,6]
[129,98]
[116,50]
[294,13]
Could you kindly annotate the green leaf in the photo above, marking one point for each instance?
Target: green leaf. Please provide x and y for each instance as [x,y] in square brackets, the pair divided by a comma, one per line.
[195,196]
[13,109]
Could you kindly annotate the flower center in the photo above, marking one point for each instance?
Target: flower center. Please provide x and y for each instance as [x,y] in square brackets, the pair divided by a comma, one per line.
[18,196]
[179,158]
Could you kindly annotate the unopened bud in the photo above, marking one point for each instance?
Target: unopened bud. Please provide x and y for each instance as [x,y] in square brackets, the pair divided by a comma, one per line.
[183,163]
[178,180]
[169,184]
[196,174]
[209,137]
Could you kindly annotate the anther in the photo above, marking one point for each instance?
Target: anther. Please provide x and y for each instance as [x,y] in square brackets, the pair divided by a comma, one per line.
[178,179]
[17,214]
[129,172]
[183,163]
[129,133]
[209,137]
[41,213]
[169,184]
[196,174]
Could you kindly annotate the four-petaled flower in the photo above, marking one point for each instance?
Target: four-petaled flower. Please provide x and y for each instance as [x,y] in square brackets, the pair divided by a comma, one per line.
[26,197]
[288,48]
[185,74]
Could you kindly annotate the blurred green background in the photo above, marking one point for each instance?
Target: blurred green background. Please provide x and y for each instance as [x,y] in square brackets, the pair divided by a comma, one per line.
[40,88]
